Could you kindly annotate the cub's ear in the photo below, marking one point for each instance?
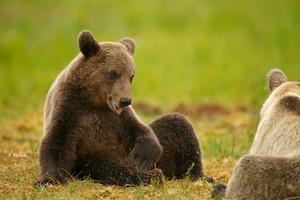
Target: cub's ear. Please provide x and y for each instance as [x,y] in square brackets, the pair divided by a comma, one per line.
[129,43]
[275,79]
[87,43]
[291,103]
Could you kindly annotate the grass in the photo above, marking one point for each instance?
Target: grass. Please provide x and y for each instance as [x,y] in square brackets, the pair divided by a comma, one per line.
[223,138]
[193,53]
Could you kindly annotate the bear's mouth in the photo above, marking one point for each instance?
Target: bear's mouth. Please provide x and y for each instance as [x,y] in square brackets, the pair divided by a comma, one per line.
[117,109]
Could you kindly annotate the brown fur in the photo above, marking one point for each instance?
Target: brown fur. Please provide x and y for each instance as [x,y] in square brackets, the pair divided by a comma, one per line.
[90,129]
[181,148]
[272,170]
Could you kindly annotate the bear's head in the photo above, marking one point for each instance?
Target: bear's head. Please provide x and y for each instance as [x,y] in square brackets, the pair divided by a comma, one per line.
[285,95]
[106,70]
[278,129]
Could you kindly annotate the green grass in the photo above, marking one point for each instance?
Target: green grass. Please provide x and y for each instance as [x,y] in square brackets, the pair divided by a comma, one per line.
[192,52]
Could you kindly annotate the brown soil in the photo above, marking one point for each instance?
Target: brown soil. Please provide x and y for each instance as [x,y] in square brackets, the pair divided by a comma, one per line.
[206,110]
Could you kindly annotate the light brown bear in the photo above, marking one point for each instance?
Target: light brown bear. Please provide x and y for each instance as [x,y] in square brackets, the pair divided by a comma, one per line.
[272,170]
[90,129]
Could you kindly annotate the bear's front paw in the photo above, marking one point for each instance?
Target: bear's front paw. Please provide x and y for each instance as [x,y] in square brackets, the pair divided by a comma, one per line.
[154,177]
[218,191]
[146,153]
[44,182]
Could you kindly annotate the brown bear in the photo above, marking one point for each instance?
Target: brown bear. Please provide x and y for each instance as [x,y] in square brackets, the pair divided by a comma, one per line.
[272,170]
[91,130]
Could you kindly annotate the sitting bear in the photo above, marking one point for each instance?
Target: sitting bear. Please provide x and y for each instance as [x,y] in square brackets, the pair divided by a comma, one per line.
[272,170]
[91,129]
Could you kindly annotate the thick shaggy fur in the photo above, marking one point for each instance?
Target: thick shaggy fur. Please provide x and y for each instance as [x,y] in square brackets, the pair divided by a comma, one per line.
[181,154]
[90,129]
[272,170]
[265,177]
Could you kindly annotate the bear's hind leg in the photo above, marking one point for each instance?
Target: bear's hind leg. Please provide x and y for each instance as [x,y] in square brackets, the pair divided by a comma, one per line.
[115,173]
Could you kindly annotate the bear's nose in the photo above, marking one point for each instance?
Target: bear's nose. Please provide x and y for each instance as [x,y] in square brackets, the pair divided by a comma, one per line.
[125,102]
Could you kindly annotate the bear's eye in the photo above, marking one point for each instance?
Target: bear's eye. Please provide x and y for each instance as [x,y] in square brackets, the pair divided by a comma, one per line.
[113,75]
[131,78]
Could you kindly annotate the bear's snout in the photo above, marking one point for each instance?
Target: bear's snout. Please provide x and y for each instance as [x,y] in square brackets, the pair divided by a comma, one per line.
[124,101]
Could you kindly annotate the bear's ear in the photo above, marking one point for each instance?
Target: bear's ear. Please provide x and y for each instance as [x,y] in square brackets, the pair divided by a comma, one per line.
[275,79]
[291,103]
[87,43]
[129,43]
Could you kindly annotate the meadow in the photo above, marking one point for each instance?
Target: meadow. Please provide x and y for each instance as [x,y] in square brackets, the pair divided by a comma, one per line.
[205,59]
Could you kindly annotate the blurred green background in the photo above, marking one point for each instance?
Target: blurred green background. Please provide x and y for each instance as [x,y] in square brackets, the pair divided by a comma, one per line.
[211,55]
[192,51]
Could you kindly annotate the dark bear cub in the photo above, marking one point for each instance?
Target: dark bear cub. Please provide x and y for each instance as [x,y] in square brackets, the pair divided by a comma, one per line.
[90,129]
[181,151]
